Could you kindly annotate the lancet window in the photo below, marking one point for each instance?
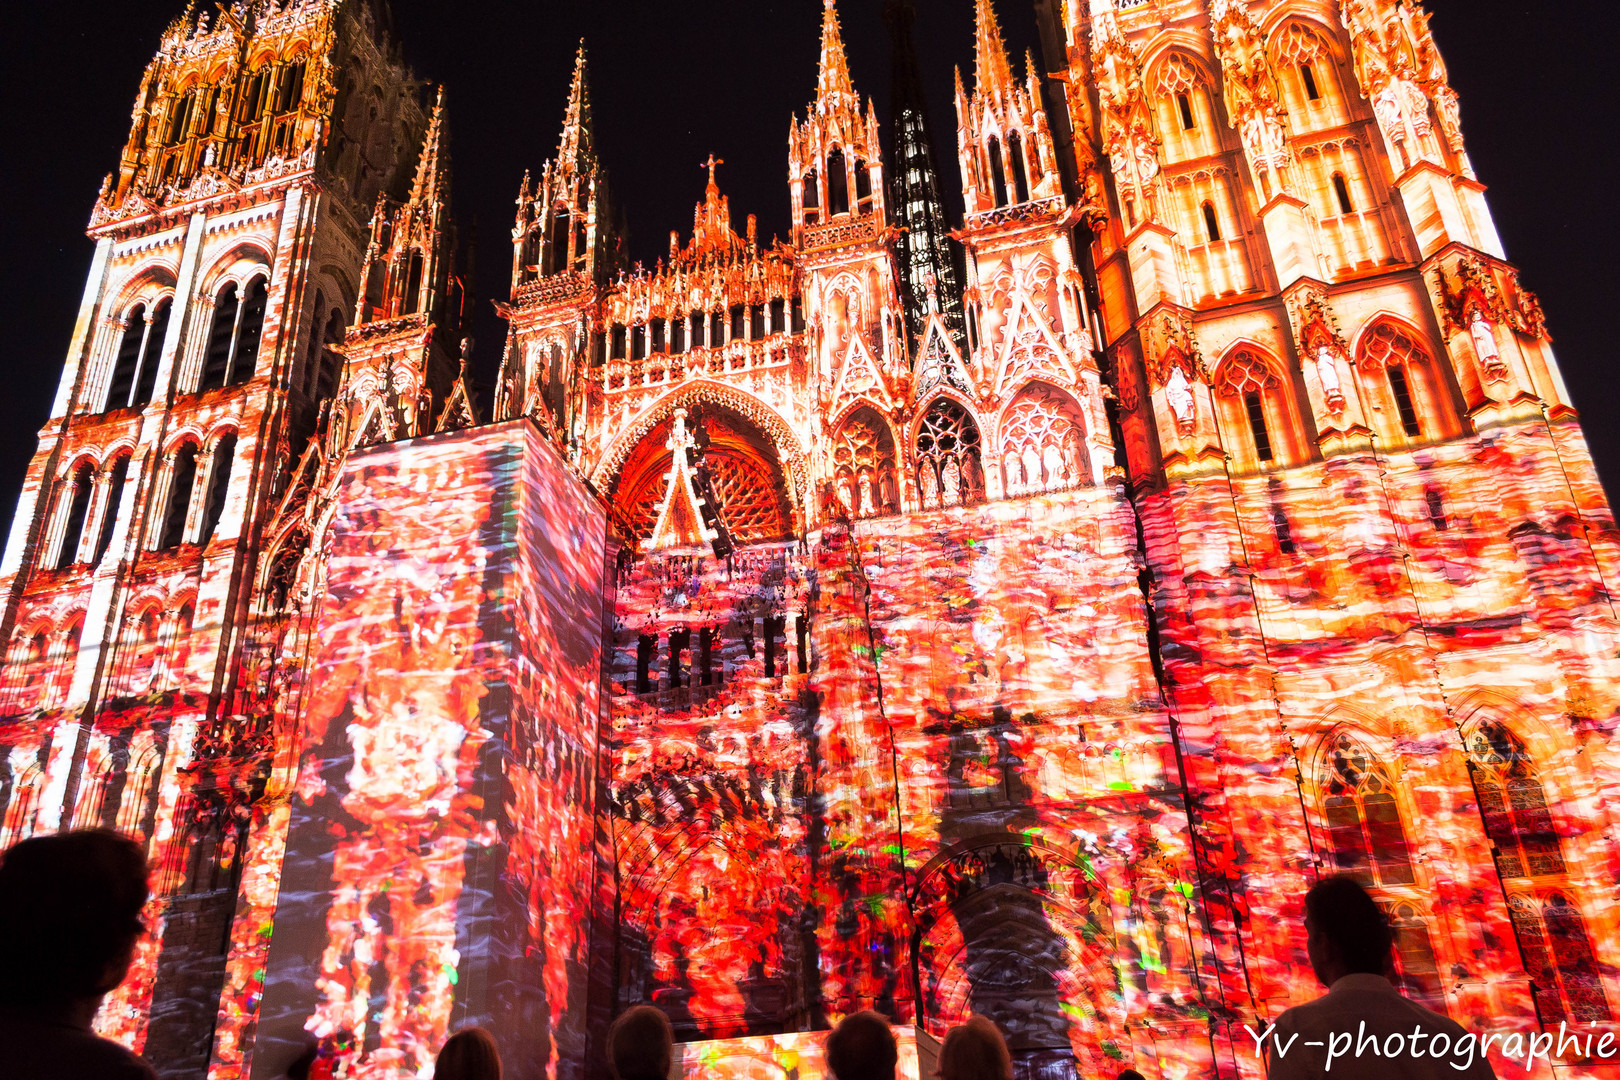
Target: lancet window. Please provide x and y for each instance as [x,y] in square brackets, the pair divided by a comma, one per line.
[1398,376]
[1513,804]
[1043,444]
[1363,819]
[1416,971]
[110,504]
[76,495]
[837,184]
[1258,420]
[233,337]
[182,475]
[949,469]
[1558,957]
[134,375]
[1183,109]
[219,480]
[864,465]
[1308,74]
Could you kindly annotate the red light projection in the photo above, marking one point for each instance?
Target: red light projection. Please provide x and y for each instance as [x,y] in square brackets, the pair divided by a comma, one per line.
[745,472]
[441,858]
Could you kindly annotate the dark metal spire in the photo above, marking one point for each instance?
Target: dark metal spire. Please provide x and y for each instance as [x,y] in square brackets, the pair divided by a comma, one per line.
[930,280]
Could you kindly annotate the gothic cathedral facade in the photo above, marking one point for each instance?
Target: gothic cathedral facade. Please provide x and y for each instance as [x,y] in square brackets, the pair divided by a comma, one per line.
[1010,611]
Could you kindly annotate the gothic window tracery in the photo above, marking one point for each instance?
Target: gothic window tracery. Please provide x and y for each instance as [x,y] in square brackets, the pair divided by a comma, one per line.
[1257,414]
[1308,74]
[1043,443]
[949,469]
[1363,819]
[864,465]
[1183,109]
[1397,375]
[1559,959]
[743,468]
[1513,803]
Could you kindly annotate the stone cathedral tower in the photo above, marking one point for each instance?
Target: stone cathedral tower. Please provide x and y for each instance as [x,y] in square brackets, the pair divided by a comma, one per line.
[820,623]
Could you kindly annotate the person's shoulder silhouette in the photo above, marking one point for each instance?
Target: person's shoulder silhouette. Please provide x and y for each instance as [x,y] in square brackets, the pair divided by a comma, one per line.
[1363,1026]
[469,1054]
[72,905]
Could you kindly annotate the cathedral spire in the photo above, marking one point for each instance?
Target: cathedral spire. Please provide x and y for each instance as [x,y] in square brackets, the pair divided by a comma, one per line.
[432,183]
[834,77]
[576,133]
[991,70]
[930,283]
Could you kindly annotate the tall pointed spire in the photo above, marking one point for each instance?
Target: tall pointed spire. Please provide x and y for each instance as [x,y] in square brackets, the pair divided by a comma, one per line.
[929,280]
[834,77]
[432,183]
[991,70]
[576,133]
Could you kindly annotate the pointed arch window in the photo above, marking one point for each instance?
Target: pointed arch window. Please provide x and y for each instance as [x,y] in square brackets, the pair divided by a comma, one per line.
[77,492]
[863,186]
[1410,391]
[949,469]
[1256,411]
[1416,972]
[1212,224]
[1043,446]
[219,481]
[998,172]
[1559,959]
[1020,180]
[412,300]
[864,458]
[1513,804]
[837,184]
[182,476]
[110,504]
[135,369]
[233,337]
[1363,818]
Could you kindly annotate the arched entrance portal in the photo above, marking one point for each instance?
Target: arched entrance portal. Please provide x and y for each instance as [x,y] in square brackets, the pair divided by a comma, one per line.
[1012,930]
[742,464]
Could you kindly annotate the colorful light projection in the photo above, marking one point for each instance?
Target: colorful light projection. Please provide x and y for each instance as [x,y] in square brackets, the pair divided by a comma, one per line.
[442,856]
[800,1055]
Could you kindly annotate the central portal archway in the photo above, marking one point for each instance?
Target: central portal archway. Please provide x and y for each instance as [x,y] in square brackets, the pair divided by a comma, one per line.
[742,463]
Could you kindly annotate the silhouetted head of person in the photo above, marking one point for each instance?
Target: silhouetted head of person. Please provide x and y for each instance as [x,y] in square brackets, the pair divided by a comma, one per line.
[71,905]
[1345,932]
[975,1051]
[862,1047]
[469,1054]
[641,1044]
[1130,1074]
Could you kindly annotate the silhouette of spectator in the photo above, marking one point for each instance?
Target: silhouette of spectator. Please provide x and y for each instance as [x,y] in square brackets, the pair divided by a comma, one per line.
[1351,948]
[71,908]
[975,1051]
[469,1054]
[641,1045]
[862,1047]
[1131,1074]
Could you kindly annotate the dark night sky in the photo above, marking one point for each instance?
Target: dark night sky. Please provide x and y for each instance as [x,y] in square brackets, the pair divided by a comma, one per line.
[677,80]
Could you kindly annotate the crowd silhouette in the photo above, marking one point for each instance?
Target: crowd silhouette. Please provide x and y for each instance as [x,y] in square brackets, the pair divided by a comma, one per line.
[71,918]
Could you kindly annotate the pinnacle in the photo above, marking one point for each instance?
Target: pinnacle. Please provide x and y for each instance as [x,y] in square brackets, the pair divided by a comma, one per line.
[576,134]
[433,166]
[834,76]
[991,71]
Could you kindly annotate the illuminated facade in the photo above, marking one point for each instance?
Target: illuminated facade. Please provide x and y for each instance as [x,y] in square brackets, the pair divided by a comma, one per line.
[821,623]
